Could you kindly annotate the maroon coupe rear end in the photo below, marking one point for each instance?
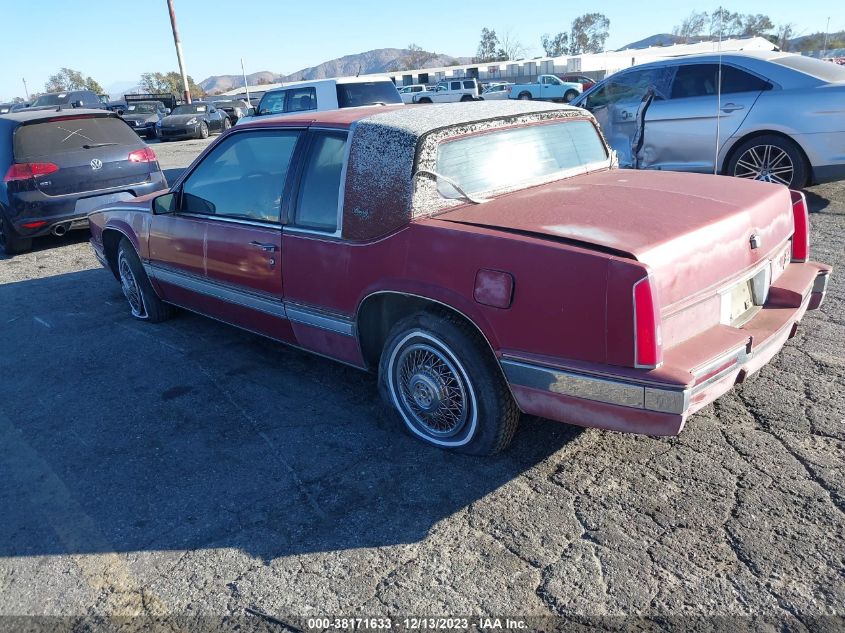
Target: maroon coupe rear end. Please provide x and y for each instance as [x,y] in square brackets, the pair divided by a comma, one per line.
[485,260]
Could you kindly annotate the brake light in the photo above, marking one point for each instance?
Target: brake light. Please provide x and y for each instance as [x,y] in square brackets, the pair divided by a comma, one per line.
[146,155]
[801,236]
[648,338]
[25,171]
[34,225]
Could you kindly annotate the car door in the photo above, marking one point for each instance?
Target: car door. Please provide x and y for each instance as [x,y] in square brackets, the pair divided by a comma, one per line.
[229,216]
[550,88]
[616,102]
[315,257]
[697,113]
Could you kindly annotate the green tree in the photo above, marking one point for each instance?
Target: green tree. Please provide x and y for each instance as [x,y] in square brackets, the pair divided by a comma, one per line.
[168,82]
[488,47]
[588,34]
[555,46]
[69,79]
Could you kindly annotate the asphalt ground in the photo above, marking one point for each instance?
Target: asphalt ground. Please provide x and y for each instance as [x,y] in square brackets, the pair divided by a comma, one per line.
[190,473]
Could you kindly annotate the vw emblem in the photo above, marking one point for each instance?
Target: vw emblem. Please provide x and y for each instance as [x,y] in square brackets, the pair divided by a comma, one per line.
[96,164]
[755,241]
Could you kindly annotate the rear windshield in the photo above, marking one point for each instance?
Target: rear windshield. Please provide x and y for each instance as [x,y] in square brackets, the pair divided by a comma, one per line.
[190,108]
[69,134]
[142,108]
[367,93]
[510,158]
[60,98]
[826,71]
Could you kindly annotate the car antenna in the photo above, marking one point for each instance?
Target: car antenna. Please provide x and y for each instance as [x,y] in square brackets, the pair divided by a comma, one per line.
[718,99]
[359,70]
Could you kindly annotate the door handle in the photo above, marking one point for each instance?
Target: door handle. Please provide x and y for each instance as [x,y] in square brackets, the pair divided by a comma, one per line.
[264,247]
[730,107]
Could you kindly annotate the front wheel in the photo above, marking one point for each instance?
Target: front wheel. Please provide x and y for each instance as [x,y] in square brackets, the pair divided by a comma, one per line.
[442,383]
[144,303]
[769,158]
[569,95]
[203,131]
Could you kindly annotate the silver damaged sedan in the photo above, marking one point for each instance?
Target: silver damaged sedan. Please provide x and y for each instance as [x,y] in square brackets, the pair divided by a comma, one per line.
[778,117]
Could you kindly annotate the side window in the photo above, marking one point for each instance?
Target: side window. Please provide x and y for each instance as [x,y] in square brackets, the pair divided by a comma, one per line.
[301,100]
[695,80]
[469,85]
[736,80]
[272,103]
[456,85]
[243,177]
[317,201]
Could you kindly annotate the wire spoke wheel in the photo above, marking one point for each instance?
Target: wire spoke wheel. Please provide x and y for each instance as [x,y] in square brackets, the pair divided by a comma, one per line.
[768,163]
[431,390]
[131,290]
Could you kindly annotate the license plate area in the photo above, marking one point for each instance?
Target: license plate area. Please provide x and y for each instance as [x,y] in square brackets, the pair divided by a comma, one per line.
[743,300]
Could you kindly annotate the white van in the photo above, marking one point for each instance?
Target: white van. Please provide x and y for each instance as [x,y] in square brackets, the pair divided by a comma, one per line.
[325,94]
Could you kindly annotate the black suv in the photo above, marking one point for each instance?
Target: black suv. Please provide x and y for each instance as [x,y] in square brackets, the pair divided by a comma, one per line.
[58,166]
[69,99]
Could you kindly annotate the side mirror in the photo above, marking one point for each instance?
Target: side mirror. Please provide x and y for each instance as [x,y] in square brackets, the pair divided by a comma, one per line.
[120,112]
[76,104]
[165,204]
[250,112]
[167,110]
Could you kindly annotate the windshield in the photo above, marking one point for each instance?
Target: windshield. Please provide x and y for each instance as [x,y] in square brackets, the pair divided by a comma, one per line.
[141,108]
[59,98]
[190,108]
[367,93]
[510,158]
[826,71]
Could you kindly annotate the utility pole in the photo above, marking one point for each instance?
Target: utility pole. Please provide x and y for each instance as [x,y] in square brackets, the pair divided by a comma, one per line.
[246,85]
[187,91]
[826,29]
[25,89]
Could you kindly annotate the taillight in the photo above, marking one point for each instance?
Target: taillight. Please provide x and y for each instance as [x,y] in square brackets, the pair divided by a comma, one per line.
[648,339]
[37,224]
[801,236]
[25,171]
[146,155]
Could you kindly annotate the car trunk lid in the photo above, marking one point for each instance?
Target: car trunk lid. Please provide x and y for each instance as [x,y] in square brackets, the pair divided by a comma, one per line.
[693,231]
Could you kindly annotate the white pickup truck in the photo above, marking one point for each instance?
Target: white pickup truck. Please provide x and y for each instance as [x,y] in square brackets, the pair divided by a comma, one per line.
[450,91]
[547,88]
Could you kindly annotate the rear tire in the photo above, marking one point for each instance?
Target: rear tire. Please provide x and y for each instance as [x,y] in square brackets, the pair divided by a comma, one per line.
[144,303]
[466,98]
[525,96]
[443,385]
[569,95]
[226,124]
[10,242]
[770,158]
[424,100]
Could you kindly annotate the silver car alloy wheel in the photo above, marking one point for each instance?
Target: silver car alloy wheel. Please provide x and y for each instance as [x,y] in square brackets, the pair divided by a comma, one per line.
[768,163]
[130,287]
[432,391]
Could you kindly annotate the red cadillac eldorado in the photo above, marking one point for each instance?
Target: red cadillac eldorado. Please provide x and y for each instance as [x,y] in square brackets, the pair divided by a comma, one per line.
[485,259]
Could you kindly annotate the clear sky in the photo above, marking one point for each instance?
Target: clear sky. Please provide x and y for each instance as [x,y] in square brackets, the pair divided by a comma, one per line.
[115,41]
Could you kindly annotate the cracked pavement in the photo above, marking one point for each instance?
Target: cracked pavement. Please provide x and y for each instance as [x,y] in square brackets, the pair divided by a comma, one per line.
[190,469]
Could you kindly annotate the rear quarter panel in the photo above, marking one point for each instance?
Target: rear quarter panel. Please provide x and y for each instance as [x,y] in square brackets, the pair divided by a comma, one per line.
[559,291]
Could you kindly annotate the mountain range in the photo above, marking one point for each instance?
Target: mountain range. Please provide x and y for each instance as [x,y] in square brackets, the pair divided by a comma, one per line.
[381,60]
